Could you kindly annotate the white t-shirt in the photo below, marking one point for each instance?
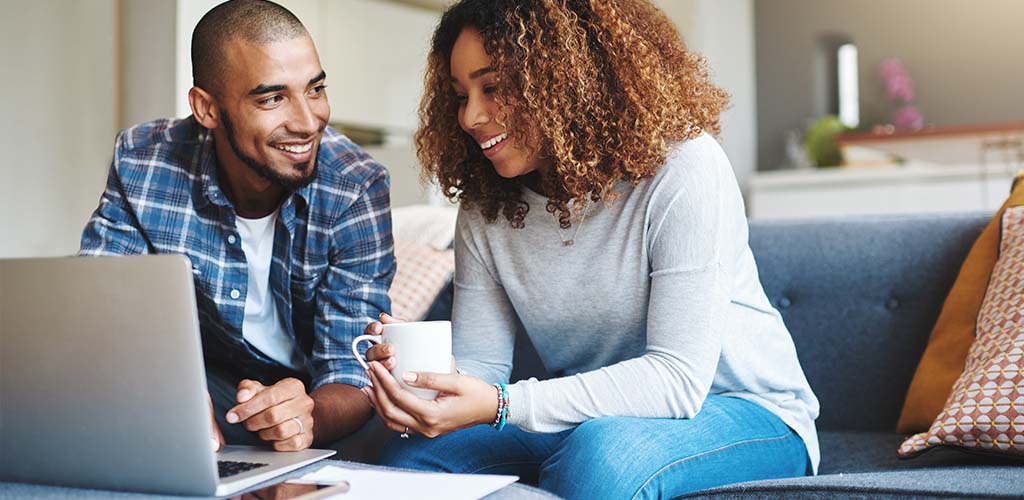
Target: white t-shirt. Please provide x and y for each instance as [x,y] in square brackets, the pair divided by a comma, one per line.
[262,326]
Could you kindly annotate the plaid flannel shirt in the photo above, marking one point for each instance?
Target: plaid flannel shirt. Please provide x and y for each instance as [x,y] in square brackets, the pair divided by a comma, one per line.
[333,253]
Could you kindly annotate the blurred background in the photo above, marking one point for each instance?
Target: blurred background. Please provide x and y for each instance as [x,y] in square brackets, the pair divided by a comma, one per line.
[838,107]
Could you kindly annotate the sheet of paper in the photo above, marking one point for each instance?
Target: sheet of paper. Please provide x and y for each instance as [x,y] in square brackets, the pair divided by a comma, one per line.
[375,484]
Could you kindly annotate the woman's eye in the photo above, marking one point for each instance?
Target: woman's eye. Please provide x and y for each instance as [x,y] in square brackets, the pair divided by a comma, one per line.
[461,98]
[490,90]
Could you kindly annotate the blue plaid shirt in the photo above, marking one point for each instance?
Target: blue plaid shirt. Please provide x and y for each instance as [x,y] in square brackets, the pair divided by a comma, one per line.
[333,258]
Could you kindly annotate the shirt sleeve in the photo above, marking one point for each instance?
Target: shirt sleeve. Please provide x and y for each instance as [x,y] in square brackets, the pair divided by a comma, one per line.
[673,376]
[355,289]
[483,319]
[113,229]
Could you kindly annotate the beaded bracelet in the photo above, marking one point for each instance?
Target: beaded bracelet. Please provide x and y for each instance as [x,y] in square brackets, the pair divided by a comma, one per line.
[503,412]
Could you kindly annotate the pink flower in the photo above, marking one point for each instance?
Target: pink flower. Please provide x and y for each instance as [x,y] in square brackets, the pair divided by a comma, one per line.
[908,118]
[892,68]
[900,88]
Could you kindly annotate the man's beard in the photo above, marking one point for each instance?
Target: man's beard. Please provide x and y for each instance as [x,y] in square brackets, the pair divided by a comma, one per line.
[264,171]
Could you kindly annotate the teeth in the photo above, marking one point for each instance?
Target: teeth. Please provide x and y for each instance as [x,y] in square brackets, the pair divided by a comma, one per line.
[494,141]
[296,149]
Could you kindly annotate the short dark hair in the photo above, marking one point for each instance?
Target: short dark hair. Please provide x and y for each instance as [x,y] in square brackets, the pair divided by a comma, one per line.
[257,21]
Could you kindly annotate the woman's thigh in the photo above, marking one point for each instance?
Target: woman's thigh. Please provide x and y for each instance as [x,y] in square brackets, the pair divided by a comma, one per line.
[731,440]
[479,449]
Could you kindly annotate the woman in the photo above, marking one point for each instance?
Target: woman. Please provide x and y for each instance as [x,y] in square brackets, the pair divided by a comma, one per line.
[635,284]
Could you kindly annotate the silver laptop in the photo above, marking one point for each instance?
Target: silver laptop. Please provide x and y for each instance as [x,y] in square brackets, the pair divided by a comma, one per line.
[102,382]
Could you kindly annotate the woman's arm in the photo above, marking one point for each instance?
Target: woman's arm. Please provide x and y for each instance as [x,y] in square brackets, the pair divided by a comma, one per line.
[695,217]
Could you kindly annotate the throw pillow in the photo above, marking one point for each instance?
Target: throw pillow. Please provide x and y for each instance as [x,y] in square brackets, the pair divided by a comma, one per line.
[954,332]
[985,410]
[422,271]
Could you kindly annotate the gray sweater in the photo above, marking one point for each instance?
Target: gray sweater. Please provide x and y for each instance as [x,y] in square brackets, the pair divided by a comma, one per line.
[655,305]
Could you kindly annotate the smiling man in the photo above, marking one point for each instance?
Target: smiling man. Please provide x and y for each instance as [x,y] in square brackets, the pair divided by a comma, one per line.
[285,220]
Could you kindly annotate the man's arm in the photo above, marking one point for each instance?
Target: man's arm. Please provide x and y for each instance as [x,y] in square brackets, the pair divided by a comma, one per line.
[338,410]
[113,228]
[353,293]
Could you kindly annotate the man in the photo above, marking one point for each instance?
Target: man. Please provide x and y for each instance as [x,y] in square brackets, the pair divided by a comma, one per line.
[286,223]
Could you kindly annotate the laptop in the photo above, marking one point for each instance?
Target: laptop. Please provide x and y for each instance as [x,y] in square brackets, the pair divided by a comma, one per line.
[102,383]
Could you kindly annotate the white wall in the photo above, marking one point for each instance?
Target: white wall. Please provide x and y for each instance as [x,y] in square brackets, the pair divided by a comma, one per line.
[965,59]
[723,32]
[148,51]
[59,112]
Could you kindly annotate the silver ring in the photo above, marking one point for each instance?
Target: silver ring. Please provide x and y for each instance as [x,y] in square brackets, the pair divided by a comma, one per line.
[302,428]
[405,435]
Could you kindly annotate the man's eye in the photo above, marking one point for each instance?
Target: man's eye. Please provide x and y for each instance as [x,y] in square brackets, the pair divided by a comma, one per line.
[319,89]
[270,101]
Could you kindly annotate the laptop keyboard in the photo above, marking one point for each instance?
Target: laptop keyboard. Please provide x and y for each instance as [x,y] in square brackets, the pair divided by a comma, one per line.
[227,468]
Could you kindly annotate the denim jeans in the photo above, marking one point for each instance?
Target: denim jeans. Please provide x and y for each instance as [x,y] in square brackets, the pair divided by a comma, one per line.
[730,440]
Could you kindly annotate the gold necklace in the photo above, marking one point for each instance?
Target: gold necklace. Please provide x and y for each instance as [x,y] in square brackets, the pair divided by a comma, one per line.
[572,241]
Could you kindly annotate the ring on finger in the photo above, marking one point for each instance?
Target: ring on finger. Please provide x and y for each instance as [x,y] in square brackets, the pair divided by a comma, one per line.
[302,428]
[405,434]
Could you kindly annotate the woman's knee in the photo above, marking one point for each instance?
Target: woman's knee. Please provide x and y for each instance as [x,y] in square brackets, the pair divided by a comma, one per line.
[598,460]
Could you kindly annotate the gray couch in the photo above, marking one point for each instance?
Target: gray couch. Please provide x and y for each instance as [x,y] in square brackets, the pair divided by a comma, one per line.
[860,296]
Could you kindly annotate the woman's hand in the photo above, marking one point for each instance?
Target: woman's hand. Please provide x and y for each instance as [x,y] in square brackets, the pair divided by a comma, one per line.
[462,401]
[381,353]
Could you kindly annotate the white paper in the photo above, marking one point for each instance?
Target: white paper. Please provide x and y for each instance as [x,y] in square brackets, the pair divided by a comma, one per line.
[375,484]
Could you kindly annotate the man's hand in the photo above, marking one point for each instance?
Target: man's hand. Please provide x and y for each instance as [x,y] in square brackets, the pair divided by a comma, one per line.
[218,438]
[282,414]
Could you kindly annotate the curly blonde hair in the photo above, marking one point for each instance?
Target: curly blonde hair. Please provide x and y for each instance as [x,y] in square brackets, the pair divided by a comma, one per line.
[601,87]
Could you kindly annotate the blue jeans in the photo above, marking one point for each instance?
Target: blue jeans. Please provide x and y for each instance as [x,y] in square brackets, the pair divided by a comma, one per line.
[729,441]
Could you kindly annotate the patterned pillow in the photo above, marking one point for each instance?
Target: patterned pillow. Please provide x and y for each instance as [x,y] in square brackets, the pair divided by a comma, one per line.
[421,273]
[985,411]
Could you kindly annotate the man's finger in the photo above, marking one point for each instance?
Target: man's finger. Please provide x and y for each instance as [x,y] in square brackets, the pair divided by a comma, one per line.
[218,438]
[247,389]
[279,414]
[268,397]
[294,443]
[287,429]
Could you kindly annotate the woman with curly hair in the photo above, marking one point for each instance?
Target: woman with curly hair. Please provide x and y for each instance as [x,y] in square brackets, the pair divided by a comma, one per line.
[635,283]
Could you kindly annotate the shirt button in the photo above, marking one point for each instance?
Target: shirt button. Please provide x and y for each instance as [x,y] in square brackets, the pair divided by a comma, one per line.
[235,294]
[232,239]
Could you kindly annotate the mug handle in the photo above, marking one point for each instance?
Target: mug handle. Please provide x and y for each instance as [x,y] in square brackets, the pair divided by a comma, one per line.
[376,339]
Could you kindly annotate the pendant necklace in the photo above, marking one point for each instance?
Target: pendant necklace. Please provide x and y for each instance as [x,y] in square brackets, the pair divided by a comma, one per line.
[572,241]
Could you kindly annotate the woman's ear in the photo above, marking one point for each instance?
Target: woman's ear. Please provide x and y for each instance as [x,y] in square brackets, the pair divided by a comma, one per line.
[204,108]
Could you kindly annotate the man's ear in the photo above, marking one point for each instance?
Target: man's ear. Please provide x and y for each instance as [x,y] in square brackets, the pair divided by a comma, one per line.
[204,108]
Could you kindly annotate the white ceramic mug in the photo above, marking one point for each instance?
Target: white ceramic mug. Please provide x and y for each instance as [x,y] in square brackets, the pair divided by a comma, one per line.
[419,346]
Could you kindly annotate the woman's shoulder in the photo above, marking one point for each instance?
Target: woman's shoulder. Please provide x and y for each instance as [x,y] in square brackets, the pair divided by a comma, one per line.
[693,165]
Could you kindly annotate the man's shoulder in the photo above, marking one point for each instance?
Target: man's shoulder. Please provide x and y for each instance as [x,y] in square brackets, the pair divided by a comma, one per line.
[158,153]
[172,132]
[345,164]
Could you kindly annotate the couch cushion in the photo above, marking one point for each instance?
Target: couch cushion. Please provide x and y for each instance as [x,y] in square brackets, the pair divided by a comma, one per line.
[865,465]
[860,296]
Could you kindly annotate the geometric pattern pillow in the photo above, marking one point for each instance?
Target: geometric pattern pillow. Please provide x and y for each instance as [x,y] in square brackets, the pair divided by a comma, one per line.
[421,273]
[985,411]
